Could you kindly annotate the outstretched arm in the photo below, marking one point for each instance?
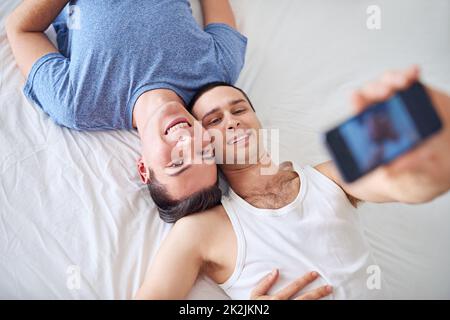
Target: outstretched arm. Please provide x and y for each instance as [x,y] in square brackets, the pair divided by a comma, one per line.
[416,177]
[359,191]
[25,28]
[217,11]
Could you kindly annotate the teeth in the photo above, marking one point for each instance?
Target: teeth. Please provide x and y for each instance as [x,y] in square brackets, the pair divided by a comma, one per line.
[178,126]
[236,140]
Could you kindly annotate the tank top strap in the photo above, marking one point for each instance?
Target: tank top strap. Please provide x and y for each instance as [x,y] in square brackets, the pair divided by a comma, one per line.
[241,242]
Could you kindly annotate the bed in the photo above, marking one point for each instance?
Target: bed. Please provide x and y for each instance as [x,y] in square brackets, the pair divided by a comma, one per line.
[75,222]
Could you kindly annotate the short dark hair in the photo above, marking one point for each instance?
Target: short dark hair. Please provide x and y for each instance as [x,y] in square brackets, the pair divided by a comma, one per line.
[211,86]
[171,211]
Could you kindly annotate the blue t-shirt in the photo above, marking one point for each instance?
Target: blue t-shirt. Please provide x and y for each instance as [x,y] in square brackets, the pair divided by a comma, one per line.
[116,50]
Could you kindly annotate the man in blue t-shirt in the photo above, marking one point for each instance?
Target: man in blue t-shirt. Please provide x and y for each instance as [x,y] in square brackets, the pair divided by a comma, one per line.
[127,64]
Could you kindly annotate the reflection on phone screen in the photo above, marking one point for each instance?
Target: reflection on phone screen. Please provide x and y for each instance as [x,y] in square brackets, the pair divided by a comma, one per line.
[381,134]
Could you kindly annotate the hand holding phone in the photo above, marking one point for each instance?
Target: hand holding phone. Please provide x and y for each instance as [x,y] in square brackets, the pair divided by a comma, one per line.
[417,167]
[383,132]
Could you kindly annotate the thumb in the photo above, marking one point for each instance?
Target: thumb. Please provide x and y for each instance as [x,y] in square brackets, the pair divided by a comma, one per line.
[413,73]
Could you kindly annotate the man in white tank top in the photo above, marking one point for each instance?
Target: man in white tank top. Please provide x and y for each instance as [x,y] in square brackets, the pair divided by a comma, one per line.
[293,221]
[284,217]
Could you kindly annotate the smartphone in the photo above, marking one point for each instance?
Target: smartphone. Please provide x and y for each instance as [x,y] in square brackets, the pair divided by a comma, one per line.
[383,132]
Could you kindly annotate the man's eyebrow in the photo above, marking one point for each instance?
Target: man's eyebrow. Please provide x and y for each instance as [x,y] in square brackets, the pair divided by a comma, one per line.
[231,103]
[210,112]
[235,102]
[177,173]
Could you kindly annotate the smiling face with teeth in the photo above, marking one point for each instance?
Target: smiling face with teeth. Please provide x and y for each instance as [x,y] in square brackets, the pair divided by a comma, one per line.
[229,117]
[178,151]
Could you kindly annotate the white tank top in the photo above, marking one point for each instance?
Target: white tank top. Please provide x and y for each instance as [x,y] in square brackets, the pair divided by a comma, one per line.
[318,231]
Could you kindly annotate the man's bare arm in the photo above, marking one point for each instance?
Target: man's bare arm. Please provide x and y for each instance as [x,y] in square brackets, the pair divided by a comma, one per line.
[416,177]
[177,263]
[217,11]
[359,191]
[25,28]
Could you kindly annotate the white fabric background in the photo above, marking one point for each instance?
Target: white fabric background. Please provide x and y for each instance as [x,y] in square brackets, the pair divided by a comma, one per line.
[70,198]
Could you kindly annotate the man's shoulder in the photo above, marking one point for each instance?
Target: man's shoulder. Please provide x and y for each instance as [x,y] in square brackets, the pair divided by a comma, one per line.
[201,223]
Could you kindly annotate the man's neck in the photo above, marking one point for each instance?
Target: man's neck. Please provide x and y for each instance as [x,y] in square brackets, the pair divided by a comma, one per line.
[264,184]
[148,103]
[243,178]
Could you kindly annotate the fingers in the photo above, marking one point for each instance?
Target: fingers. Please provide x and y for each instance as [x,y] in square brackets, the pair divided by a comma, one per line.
[401,80]
[316,294]
[265,284]
[411,161]
[296,286]
[384,87]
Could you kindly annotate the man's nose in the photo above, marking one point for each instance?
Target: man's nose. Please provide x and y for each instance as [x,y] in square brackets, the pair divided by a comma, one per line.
[181,134]
[184,138]
[233,124]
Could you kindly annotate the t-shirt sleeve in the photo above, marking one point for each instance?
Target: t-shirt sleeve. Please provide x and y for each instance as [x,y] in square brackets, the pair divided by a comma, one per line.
[231,46]
[48,86]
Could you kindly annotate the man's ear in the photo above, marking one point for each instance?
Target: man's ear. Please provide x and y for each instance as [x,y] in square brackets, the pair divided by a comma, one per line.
[144,173]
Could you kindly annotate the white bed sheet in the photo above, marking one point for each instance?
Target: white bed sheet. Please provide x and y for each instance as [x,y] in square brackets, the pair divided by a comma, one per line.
[74,199]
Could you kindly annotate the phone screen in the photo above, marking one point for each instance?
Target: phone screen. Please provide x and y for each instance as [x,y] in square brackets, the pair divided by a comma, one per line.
[383,132]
